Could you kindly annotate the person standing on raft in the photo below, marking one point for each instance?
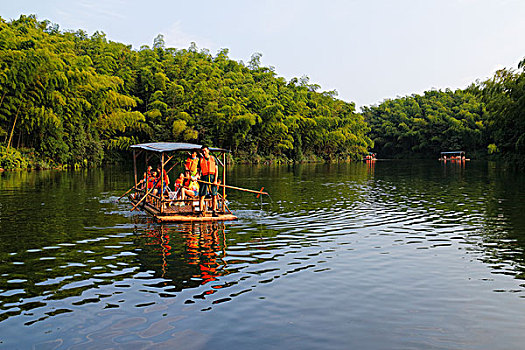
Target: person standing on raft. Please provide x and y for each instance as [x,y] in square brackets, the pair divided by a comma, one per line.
[208,168]
[191,163]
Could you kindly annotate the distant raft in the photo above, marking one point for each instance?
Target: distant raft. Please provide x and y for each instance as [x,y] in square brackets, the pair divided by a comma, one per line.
[453,156]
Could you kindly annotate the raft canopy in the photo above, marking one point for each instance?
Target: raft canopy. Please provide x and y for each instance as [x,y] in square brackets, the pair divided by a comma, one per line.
[163,147]
[447,153]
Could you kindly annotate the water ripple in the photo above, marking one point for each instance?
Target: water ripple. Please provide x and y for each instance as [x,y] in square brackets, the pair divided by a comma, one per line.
[413,247]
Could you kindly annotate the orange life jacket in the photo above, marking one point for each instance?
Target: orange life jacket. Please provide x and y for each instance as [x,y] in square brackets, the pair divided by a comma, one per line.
[191,165]
[208,166]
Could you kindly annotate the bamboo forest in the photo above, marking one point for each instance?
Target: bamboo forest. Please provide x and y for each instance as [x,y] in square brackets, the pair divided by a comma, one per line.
[77,100]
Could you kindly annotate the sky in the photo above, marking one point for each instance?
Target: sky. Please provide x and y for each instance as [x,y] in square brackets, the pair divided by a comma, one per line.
[366,50]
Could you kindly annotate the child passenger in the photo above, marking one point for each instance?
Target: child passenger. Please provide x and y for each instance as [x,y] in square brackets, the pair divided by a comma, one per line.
[192,190]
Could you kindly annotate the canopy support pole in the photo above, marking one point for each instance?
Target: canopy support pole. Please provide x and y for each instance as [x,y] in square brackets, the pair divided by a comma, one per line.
[162,183]
[135,166]
[224,181]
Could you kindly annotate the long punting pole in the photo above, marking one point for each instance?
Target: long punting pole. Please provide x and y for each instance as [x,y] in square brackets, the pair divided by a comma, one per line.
[140,201]
[224,181]
[128,191]
[234,188]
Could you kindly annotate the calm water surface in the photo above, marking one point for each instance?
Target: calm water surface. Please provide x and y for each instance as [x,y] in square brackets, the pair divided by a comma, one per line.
[397,255]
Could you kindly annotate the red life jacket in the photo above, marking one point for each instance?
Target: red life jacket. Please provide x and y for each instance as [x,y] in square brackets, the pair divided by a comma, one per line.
[159,182]
[151,181]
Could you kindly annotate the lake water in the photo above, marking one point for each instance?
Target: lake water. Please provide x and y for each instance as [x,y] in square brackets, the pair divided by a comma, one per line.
[392,255]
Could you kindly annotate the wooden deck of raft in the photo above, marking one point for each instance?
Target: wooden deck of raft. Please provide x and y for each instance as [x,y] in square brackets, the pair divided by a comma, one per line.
[182,214]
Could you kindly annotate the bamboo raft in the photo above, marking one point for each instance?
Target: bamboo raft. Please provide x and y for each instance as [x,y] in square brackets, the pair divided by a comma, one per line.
[166,209]
[187,213]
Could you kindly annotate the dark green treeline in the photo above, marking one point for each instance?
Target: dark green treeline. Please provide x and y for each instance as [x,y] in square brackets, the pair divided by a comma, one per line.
[487,120]
[424,125]
[70,98]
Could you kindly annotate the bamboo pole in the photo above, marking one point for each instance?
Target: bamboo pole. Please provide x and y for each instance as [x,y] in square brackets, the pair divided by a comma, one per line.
[135,166]
[147,193]
[147,156]
[167,161]
[162,183]
[224,181]
[224,205]
[234,188]
[119,198]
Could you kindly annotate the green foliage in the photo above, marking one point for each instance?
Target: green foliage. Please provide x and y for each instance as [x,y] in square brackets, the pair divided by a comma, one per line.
[11,159]
[78,99]
[486,119]
[492,148]
[423,126]
[62,93]
[504,96]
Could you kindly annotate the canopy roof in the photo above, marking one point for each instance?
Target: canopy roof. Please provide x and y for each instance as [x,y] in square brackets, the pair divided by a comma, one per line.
[453,152]
[162,147]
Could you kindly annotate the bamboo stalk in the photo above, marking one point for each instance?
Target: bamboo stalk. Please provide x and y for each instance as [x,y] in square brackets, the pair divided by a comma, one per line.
[2,100]
[14,124]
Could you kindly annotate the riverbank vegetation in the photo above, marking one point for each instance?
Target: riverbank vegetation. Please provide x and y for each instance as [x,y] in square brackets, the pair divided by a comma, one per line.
[70,99]
[422,126]
[487,120]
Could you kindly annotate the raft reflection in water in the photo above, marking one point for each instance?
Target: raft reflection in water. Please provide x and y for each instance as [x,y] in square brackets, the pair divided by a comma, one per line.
[184,255]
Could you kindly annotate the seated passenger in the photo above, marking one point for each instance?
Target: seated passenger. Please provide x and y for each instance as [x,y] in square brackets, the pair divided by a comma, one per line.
[190,186]
[179,184]
[192,190]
